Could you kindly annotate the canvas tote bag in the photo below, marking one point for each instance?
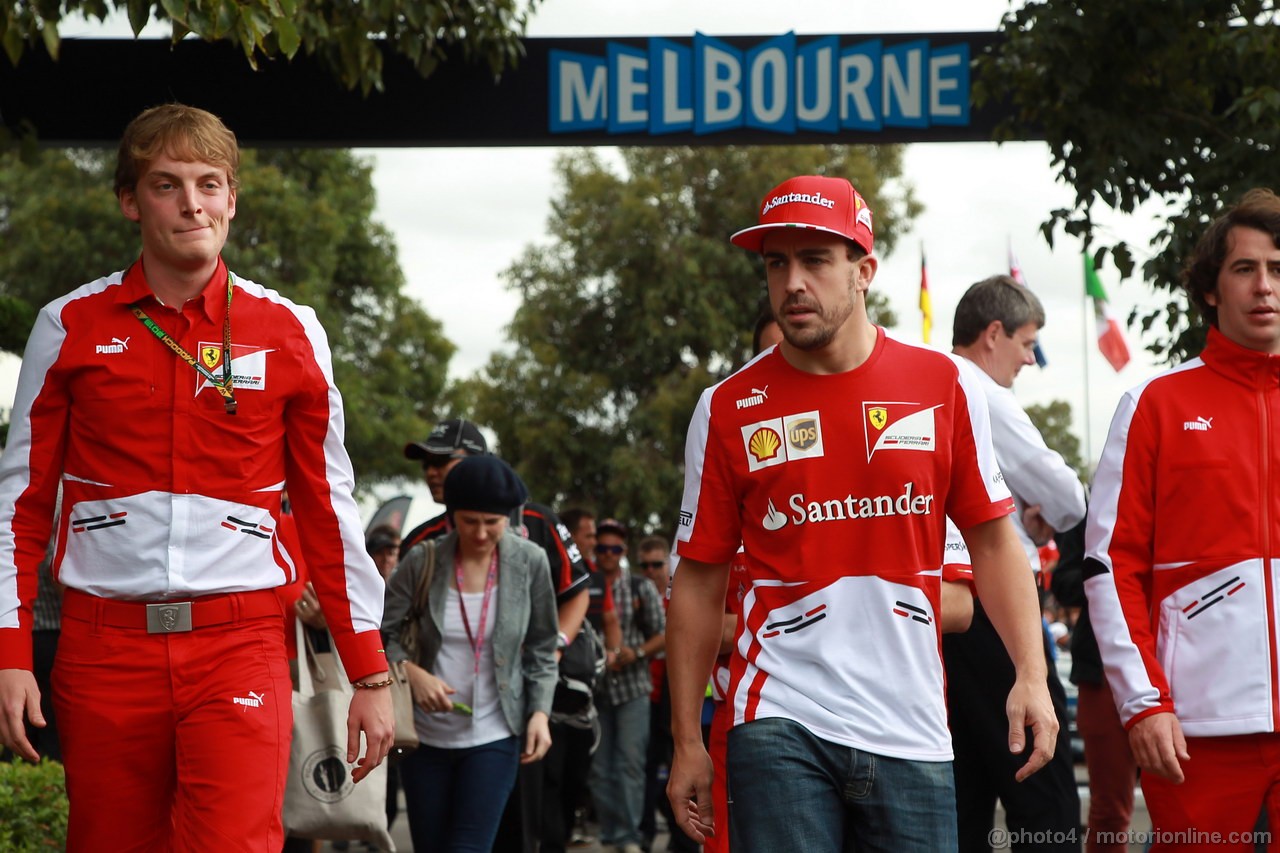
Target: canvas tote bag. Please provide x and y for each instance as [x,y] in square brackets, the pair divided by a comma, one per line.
[320,800]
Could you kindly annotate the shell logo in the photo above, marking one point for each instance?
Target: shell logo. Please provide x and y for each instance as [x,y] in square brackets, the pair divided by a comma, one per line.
[764,444]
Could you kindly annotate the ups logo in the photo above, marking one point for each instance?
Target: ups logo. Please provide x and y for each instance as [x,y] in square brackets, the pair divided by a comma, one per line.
[803,434]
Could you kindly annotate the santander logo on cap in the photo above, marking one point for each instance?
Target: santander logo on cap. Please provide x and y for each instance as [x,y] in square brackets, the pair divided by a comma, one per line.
[796,198]
[816,203]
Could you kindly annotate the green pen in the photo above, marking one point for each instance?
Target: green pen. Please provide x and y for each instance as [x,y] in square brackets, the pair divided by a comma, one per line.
[459,708]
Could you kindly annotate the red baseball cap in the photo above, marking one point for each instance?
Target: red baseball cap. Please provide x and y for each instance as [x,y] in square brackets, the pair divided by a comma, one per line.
[814,202]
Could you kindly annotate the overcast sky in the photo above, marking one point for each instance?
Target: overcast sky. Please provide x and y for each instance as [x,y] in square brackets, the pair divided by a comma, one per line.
[979,198]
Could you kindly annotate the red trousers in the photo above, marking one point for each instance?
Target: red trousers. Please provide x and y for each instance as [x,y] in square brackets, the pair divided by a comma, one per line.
[173,742]
[1228,780]
[716,746]
[1113,773]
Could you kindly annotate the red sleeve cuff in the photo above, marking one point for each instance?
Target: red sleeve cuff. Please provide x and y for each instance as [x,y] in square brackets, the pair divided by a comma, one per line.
[1165,707]
[362,654]
[966,517]
[959,573]
[15,648]
[708,554]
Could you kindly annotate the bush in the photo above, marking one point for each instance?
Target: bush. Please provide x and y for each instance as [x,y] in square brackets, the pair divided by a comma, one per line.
[33,806]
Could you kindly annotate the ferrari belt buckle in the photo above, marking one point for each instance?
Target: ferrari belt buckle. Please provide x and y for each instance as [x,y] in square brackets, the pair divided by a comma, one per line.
[169,618]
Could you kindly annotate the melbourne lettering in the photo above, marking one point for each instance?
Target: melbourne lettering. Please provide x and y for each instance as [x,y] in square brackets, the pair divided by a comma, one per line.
[779,85]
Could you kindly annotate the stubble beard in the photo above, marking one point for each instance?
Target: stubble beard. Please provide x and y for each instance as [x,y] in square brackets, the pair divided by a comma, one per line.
[819,336]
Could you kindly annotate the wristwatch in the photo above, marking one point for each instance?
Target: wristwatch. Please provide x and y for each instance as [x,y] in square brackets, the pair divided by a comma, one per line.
[639,651]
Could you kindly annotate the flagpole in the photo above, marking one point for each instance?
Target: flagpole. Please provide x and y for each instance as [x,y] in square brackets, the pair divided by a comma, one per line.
[1084,354]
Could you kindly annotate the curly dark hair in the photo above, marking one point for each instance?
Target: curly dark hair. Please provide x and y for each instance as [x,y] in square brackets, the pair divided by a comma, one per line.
[1258,209]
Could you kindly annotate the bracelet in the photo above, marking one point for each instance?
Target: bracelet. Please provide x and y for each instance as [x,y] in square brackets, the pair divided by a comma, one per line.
[371,685]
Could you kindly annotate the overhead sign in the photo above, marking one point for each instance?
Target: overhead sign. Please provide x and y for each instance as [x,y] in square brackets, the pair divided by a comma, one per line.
[778,85]
[697,90]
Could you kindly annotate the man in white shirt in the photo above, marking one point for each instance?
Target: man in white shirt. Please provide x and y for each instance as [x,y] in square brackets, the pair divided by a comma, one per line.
[995,327]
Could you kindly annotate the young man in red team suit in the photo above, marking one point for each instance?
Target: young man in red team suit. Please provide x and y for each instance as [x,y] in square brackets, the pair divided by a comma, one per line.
[173,401]
[1183,552]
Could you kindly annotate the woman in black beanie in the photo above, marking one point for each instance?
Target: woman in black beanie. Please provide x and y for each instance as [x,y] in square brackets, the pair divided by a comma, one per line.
[486,670]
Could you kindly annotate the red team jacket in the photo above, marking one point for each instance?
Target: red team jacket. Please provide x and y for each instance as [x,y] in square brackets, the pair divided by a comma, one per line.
[166,495]
[1183,539]
[837,488]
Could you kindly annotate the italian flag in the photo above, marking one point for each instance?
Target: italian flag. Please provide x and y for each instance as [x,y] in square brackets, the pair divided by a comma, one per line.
[1110,337]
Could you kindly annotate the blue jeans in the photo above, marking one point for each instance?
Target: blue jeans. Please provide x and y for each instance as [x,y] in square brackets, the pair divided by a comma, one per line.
[617,770]
[454,797]
[790,790]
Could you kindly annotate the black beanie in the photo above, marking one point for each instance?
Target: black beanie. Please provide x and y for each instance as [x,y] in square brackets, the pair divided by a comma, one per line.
[484,484]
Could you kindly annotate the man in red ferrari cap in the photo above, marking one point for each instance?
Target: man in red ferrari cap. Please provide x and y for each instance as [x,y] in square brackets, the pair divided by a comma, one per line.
[834,459]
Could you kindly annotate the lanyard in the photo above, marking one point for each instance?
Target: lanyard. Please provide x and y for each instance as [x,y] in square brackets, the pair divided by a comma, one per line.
[477,641]
[225,385]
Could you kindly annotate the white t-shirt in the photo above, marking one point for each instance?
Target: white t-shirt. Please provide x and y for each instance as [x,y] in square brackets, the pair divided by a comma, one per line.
[455,664]
[1034,472]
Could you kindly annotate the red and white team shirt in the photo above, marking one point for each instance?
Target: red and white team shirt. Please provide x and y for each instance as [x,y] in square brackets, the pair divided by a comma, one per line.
[837,488]
[166,496]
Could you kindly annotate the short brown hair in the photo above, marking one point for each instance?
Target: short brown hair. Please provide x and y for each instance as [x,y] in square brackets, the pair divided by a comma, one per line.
[654,543]
[573,517]
[1258,209]
[184,133]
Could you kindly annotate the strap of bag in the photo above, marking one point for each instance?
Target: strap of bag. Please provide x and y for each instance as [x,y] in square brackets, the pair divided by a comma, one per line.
[306,659]
[422,593]
[310,669]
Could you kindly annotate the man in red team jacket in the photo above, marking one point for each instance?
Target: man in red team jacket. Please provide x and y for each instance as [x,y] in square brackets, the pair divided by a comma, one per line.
[173,401]
[1182,541]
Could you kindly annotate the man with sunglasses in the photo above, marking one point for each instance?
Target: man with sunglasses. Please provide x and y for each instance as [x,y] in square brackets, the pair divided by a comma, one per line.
[445,446]
[617,770]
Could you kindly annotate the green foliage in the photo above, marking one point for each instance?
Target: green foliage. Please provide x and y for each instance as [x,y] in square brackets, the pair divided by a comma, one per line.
[33,806]
[345,36]
[638,305]
[303,227]
[1174,100]
[1053,419]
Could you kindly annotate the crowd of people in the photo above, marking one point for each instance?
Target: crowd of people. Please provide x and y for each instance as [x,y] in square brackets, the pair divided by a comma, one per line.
[840,646]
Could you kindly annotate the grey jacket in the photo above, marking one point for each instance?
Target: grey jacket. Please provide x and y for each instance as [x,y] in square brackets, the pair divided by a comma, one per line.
[525,628]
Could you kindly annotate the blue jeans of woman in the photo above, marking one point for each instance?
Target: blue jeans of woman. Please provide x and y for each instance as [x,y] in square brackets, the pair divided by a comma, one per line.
[790,790]
[454,797]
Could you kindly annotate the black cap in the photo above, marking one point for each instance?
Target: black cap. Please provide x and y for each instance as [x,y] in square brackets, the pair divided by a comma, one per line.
[447,438]
[484,484]
[611,525]
[380,538]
